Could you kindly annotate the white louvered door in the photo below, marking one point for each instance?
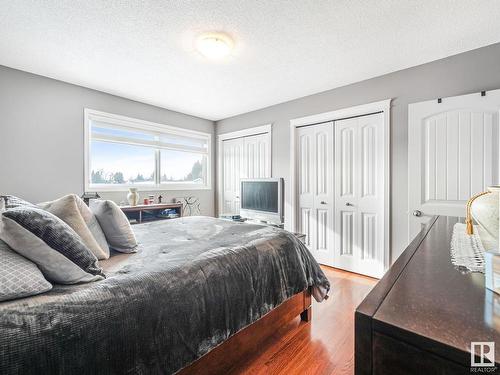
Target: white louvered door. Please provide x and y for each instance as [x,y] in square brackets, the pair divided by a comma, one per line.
[256,156]
[359,194]
[233,164]
[452,154]
[315,188]
[244,157]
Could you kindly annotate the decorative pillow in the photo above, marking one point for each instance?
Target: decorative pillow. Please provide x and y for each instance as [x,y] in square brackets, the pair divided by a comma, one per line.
[73,211]
[115,225]
[2,204]
[12,202]
[49,242]
[18,276]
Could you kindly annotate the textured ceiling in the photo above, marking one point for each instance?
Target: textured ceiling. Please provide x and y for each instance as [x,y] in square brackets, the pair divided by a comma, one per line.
[143,50]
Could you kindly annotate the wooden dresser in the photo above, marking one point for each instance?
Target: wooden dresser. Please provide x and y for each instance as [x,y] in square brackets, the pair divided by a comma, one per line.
[150,212]
[423,314]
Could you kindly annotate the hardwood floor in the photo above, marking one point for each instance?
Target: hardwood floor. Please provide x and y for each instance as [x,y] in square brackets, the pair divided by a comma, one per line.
[324,345]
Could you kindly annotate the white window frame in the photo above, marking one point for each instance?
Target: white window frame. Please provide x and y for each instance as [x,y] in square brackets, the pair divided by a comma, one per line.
[136,124]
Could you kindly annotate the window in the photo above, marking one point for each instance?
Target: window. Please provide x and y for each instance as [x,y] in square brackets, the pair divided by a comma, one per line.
[122,152]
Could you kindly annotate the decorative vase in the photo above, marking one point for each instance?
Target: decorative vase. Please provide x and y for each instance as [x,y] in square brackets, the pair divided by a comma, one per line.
[133,196]
[485,211]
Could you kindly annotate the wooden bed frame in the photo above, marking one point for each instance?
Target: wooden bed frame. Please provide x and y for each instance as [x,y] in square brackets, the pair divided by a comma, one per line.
[220,359]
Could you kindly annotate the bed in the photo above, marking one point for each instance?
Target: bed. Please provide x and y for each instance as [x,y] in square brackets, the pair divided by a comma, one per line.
[195,284]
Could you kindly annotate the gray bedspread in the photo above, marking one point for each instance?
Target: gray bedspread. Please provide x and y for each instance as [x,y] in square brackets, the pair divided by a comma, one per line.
[193,283]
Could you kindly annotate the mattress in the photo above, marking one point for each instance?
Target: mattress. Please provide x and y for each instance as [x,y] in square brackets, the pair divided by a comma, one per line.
[193,283]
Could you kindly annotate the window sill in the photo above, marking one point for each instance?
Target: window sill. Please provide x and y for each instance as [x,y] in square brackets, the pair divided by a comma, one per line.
[153,188]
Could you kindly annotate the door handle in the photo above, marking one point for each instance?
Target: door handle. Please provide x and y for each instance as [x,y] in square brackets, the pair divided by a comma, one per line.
[323,202]
[417,213]
[349,204]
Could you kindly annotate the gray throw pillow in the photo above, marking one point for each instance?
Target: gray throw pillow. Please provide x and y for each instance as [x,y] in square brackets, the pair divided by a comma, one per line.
[73,211]
[115,225]
[12,202]
[18,276]
[49,242]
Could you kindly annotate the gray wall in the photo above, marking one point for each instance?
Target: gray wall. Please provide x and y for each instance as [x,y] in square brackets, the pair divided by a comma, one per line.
[461,74]
[41,125]
[41,135]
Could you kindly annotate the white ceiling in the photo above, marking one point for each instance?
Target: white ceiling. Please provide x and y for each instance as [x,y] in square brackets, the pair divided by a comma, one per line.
[143,50]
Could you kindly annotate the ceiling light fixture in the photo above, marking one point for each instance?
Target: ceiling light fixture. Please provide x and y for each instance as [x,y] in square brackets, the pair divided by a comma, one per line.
[214,45]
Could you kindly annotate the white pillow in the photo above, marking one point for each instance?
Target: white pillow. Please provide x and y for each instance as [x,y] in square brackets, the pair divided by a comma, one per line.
[73,211]
[115,225]
[18,276]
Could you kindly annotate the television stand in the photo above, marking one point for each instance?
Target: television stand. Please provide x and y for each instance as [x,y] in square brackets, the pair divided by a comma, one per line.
[232,217]
[238,218]
[300,236]
[262,222]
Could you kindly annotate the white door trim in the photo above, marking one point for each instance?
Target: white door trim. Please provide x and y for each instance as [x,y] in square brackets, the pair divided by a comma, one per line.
[262,129]
[365,109]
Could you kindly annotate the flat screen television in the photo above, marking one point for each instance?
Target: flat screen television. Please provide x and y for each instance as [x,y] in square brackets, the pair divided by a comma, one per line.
[262,199]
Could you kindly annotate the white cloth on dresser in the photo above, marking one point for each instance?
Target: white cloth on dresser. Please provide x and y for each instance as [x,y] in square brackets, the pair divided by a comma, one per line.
[467,251]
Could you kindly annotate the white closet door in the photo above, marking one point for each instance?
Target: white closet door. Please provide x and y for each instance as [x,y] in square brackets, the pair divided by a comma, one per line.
[359,194]
[244,157]
[257,156]
[452,154]
[315,187]
[233,165]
